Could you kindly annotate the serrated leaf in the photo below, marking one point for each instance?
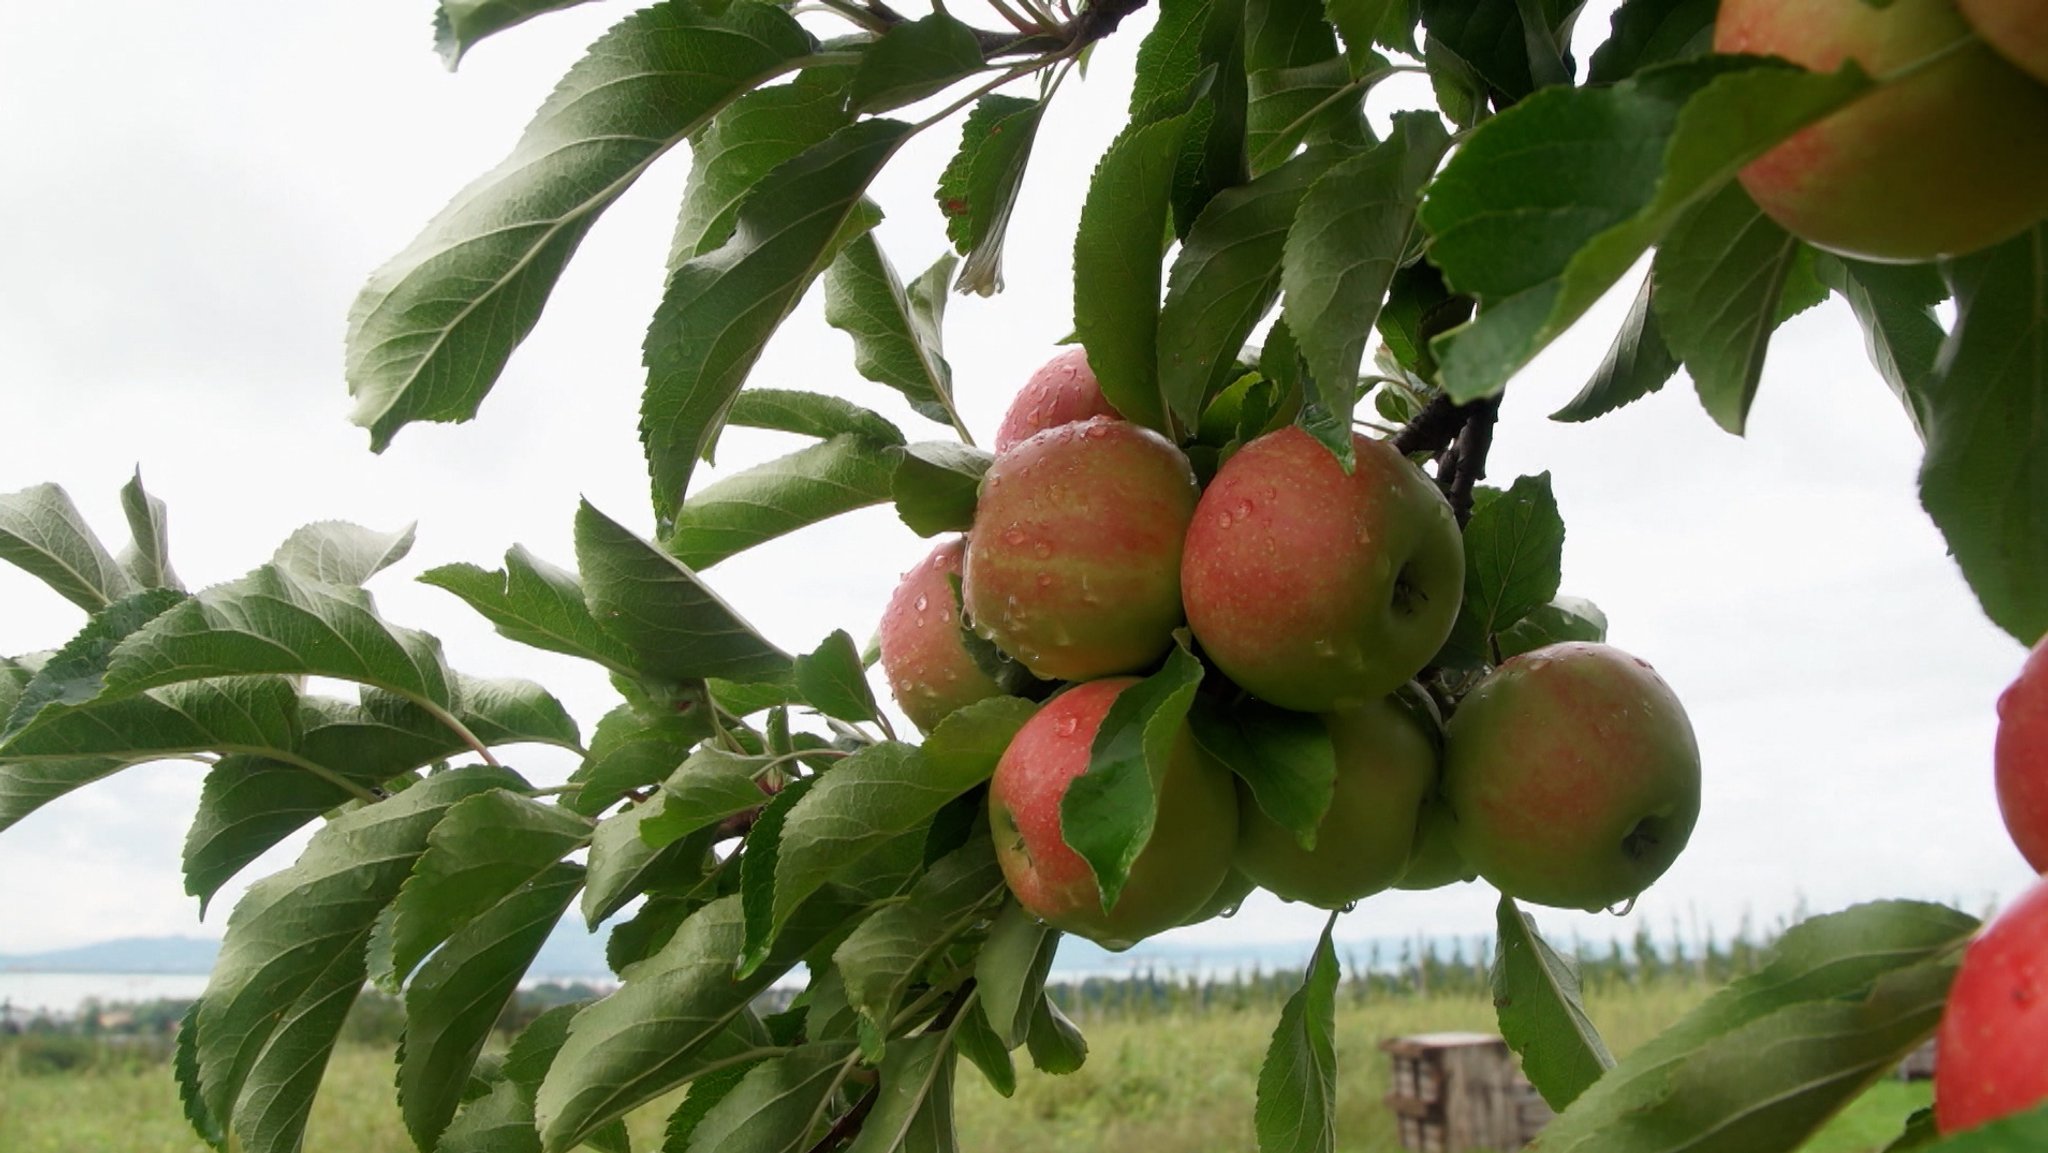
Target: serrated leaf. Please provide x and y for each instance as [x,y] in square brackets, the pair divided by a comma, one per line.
[1285,34]
[676,627]
[913,60]
[509,711]
[1418,302]
[890,950]
[776,1107]
[967,744]
[485,848]
[1563,619]
[719,309]
[1514,560]
[897,331]
[1224,281]
[501,1121]
[1838,973]
[977,1042]
[1297,1101]
[835,682]
[1515,46]
[623,863]
[1552,201]
[810,414]
[247,805]
[433,328]
[340,553]
[1985,477]
[1056,1044]
[460,24]
[1895,305]
[1116,267]
[293,958]
[1361,22]
[258,715]
[1651,32]
[1311,104]
[147,559]
[1720,276]
[458,994]
[1355,226]
[914,1103]
[813,484]
[937,485]
[1011,969]
[2018,1133]
[661,1027]
[978,190]
[705,1092]
[185,1069]
[1107,813]
[74,674]
[747,140]
[1637,363]
[534,603]
[1536,995]
[1285,758]
[1461,93]
[42,533]
[1169,60]
[760,857]
[705,789]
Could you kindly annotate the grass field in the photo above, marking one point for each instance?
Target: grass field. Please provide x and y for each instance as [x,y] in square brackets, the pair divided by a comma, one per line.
[1178,1082]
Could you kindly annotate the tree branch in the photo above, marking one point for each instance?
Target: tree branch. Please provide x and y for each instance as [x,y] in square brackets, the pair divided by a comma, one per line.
[1474,440]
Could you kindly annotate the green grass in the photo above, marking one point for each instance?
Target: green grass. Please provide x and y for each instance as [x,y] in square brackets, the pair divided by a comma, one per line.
[1174,1083]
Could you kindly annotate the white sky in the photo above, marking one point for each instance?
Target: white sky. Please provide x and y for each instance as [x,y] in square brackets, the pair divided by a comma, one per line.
[195,192]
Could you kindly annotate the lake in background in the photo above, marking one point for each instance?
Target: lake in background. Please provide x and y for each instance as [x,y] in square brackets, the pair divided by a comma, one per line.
[64,992]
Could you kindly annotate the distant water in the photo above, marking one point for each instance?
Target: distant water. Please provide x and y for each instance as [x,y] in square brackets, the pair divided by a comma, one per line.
[64,992]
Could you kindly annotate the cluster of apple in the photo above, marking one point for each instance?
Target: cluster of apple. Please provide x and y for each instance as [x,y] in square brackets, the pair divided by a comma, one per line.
[1567,776]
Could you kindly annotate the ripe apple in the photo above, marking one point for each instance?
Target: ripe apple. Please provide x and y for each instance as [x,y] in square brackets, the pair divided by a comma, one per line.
[1386,767]
[1178,871]
[1948,159]
[1573,776]
[925,656]
[1063,391]
[1435,860]
[2020,758]
[1315,590]
[1992,1046]
[2018,29]
[1073,564]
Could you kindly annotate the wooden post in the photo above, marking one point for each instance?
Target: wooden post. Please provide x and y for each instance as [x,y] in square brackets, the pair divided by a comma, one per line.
[1454,1092]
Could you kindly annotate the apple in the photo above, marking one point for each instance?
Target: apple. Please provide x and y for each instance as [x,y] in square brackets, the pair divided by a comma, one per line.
[1948,159]
[1225,901]
[1992,1045]
[1386,768]
[1073,563]
[2018,29]
[925,657]
[1176,874]
[1315,590]
[1063,391]
[1435,860]
[2020,758]
[1573,776]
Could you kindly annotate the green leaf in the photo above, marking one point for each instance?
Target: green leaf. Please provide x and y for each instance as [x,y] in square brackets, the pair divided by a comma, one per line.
[534,603]
[1563,619]
[1284,757]
[1536,994]
[293,958]
[431,331]
[1895,304]
[337,552]
[815,483]
[914,1108]
[460,24]
[1297,1102]
[1552,201]
[970,740]
[459,993]
[1056,1045]
[74,674]
[1650,32]
[1499,42]
[677,628]
[1362,22]
[1418,302]
[1461,93]
[913,60]
[1314,103]
[978,190]
[664,1024]
[835,682]
[776,1107]
[484,849]
[1354,228]
[760,856]
[810,414]
[707,788]
[1637,363]
[185,1069]
[1169,60]
[748,139]
[897,331]
[705,1093]
[1985,477]
[258,715]
[42,533]
[247,805]
[1842,999]
[1720,276]
[719,309]
[1107,813]
[508,711]
[892,948]
[1116,267]
[1514,559]
[937,485]
[1224,281]
[624,863]
[147,559]
[1011,969]
[977,1042]
[1285,34]
[2019,1133]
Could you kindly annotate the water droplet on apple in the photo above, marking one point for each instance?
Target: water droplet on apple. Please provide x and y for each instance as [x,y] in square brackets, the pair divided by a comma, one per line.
[922,603]
[1097,431]
[1041,550]
[1244,510]
[1623,909]
[1045,580]
[1015,536]
[1066,726]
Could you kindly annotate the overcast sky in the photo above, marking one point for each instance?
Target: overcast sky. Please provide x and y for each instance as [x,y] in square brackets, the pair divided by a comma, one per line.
[196,191]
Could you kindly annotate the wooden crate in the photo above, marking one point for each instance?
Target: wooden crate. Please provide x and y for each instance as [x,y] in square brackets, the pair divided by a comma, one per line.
[1455,1092]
